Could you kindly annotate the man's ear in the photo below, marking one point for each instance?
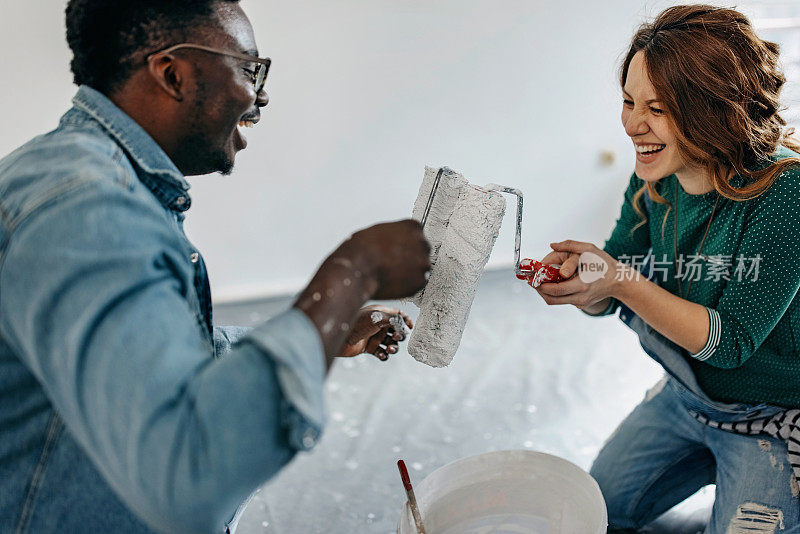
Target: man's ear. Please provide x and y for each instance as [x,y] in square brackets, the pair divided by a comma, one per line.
[166,73]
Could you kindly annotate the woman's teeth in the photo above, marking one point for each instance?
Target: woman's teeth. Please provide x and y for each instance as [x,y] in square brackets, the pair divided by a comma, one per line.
[246,124]
[649,149]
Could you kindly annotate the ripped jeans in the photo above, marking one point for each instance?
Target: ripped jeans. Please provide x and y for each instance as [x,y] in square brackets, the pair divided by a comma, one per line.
[660,455]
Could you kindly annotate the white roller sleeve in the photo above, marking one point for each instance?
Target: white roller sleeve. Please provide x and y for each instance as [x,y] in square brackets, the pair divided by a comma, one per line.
[450,187]
[465,248]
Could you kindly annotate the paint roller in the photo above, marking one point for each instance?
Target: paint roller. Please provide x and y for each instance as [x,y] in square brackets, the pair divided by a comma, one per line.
[461,221]
[435,202]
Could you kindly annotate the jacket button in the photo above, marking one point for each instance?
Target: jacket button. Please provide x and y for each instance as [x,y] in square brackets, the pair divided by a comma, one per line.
[195,257]
[309,439]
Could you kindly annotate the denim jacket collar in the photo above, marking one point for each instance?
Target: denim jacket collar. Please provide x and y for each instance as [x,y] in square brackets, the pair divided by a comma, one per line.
[157,171]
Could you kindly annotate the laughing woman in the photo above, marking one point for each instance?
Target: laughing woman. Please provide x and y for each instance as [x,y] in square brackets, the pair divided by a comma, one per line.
[715,200]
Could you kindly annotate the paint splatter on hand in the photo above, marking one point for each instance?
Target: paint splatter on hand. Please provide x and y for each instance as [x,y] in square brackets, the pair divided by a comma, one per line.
[378,330]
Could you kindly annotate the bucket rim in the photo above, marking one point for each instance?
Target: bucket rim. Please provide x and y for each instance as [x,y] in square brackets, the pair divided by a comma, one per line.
[529,454]
[435,478]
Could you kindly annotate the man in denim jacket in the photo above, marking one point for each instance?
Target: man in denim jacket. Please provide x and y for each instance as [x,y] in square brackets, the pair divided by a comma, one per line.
[122,408]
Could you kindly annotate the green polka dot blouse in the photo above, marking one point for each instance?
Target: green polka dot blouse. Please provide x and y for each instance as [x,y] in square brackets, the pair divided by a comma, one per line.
[747,277]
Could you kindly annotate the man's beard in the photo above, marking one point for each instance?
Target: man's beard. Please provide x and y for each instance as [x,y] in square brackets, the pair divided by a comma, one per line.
[201,158]
[197,151]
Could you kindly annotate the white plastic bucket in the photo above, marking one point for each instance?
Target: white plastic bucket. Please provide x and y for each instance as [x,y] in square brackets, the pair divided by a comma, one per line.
[508,492]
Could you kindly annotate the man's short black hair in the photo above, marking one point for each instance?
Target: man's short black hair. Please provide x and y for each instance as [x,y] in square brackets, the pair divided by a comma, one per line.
[109,38]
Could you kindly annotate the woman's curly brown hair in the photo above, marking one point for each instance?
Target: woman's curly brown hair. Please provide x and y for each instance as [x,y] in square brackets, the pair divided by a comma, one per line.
[720,85]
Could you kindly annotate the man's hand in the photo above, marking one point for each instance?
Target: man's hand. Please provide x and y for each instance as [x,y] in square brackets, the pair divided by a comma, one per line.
[377,330]
[396,254]
[385,261]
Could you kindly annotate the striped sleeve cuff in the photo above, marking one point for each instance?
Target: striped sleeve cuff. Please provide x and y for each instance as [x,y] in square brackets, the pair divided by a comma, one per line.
[714,332]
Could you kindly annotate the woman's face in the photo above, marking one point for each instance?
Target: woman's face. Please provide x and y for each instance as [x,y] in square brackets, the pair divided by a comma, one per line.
[645,122]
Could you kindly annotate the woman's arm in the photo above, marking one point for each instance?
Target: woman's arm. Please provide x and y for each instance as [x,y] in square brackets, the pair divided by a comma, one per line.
[630,237]
[683,322]
[727,333]
[599,308]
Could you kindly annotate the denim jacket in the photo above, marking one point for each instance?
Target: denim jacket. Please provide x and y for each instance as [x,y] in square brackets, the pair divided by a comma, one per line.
[122,408]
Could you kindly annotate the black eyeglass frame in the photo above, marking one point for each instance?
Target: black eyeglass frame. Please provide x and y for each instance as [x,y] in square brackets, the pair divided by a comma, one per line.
[259,76]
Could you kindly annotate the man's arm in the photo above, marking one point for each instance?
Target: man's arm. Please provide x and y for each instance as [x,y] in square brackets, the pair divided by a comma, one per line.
[95,294]
[226,336]
[385,261]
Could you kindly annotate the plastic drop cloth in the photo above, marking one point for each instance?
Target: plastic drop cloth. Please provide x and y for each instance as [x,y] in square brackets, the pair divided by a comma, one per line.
[527,376]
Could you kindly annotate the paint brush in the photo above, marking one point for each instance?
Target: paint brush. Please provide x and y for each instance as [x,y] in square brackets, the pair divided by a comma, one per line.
[412,500]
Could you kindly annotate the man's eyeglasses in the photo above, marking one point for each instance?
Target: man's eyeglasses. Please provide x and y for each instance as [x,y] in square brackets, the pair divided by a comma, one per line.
[259,75]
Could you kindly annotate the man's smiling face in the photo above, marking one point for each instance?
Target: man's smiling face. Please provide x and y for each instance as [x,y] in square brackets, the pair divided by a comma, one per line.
[221,99]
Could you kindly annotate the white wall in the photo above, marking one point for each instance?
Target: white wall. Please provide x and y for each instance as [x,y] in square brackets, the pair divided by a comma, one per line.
[364,93]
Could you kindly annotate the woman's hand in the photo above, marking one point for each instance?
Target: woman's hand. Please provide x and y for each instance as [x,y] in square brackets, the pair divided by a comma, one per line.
[377,330]
[592,274]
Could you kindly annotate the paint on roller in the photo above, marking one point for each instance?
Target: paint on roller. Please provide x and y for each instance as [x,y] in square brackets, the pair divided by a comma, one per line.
[466,245]
[450,187]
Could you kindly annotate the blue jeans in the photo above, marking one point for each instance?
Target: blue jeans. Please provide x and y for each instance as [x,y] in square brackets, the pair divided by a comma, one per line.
[660,455]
